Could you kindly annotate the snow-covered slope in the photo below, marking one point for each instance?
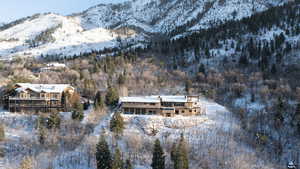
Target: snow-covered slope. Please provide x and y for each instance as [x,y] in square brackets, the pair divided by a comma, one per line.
[100,26]
[64,35]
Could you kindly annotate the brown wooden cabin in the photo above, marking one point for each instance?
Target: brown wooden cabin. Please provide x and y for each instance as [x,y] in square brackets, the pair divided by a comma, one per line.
[35,98]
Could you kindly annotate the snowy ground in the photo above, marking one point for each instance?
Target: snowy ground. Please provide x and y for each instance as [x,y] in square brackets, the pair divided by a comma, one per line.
[213,132]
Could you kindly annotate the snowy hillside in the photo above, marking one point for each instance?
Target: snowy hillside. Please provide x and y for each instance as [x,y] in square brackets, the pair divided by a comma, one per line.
[101,26]
[214,132]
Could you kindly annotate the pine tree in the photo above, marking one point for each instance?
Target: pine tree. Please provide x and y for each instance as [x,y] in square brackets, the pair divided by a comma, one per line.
[77,115]
[181,158]
[117,161]
[2,132]
[202,69]
[279,112]
[112,96]
[103,156]
[158,158]
[98,102]
[117,124]
[128,164]
[78,107]
[54,121]
[297,117]
[188,86]
[121,79]
[173,152]
[64,100]
[273,69]
[42,135]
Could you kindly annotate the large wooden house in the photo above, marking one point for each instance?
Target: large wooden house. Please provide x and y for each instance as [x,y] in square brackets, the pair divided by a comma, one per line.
[37,97]
[161,105]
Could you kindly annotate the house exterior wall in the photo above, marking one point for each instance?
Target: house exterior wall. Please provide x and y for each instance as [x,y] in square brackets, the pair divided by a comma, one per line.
[168,109]
[30,101]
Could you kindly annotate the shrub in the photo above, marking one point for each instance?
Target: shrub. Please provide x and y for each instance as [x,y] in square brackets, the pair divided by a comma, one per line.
[77,115]
[27,163]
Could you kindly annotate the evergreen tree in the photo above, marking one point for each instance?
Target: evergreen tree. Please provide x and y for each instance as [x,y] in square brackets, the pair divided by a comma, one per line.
[128,164]
[103,156]
[297,117]
[98,102]
[64,100]
[112,96]
[78,107]
[2,154]
[158,158]
[121,79]
[243,60]
[117,123]
[117,161]
[53,121]
[181,157]
[188,86]
[42,134]
[273,69]
[279,112]
[173,152]
[77,115]
[202,69]
[2,132]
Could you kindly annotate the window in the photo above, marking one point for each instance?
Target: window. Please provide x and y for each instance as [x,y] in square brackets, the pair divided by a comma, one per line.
[191,111]
[182,111]
[167,104]
[179,104]
[152,104]
[176,112]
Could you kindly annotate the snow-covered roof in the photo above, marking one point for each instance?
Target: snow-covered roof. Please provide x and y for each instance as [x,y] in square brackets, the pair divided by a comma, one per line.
[140,99]
[173,98]
[48,88]
[157,99]
[55,64]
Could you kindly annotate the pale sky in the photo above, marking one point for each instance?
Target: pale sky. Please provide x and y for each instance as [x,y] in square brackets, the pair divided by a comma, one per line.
[14,9]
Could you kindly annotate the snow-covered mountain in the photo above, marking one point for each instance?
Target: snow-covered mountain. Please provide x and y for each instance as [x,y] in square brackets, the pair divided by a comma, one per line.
[102,26]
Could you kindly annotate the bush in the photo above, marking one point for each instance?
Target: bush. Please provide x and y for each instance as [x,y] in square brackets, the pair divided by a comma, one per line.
[77,115]
[27,163]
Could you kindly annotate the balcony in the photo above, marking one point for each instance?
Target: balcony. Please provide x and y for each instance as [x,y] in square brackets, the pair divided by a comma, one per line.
[33,98]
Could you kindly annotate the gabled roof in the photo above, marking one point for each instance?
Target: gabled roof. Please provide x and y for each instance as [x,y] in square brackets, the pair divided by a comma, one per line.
[48,88]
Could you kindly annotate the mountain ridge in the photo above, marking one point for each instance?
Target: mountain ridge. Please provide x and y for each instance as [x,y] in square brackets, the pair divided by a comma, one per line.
[101,26]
